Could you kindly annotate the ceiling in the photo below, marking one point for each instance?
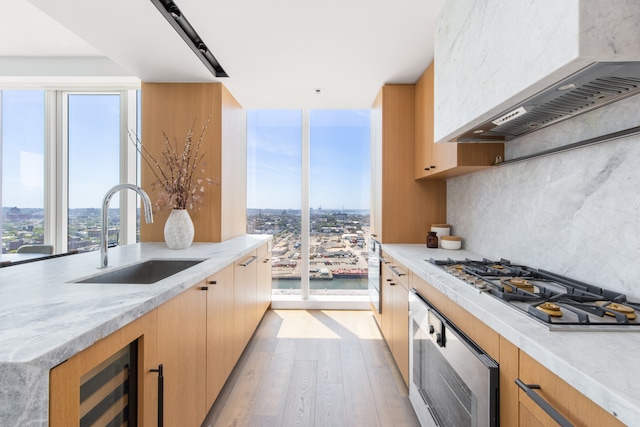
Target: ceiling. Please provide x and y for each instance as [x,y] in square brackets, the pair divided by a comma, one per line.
[277,53]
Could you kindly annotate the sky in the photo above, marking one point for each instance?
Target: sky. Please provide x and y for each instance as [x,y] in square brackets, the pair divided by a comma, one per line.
[339,166]
[339,150]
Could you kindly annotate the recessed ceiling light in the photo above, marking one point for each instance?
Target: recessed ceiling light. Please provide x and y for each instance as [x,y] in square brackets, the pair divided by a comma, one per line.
[478,131]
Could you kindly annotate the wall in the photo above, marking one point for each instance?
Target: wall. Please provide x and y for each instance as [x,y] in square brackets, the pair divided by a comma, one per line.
[576,213]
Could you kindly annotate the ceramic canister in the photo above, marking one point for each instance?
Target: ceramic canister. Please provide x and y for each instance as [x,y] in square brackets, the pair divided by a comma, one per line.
[441,230]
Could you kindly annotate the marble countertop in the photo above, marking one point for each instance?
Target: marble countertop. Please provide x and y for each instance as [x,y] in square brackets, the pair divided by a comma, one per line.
[601,365]
[45,318]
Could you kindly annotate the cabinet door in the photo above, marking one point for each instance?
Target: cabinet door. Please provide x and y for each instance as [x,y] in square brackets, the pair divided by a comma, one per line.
[220,340]
[401,329]
[570,403]
[245,301]
[264,281]
[65,408]
[182,351]
[386,305]
[424,124]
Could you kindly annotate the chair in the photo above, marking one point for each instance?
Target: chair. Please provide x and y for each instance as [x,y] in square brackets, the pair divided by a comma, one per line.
[35,249]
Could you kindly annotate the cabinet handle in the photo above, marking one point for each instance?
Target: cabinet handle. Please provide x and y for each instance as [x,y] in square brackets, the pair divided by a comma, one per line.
[388,280]
[204,288]
[266,260]
[249,261]
[384,261]
[546,407]
[426,169]
[433,167]
[160,394]
[392,284]
[212,282]
[396,272]
[374,235]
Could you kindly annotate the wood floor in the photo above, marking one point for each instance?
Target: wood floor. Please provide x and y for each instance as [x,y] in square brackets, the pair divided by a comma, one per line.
[314,368]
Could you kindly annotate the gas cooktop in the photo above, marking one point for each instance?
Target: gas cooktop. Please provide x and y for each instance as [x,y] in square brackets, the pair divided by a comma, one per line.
[558,302]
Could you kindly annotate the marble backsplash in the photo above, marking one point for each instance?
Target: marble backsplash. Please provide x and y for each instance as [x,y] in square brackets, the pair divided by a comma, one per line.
[575,213]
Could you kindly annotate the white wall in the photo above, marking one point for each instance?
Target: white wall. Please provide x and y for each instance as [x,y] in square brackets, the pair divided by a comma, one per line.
[576,213]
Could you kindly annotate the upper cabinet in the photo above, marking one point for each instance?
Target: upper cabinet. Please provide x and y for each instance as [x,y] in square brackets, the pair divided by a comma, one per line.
[491,56]
[402,209]
[438,161]
[173,108]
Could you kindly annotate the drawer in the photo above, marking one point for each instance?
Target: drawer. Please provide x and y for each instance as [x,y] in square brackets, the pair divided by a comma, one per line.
[400,274]
[567,401]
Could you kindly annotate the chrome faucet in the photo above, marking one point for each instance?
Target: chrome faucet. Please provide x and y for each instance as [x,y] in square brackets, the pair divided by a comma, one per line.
[148,216]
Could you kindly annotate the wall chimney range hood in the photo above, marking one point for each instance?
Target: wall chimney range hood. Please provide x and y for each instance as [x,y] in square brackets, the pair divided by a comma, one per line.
[594,86]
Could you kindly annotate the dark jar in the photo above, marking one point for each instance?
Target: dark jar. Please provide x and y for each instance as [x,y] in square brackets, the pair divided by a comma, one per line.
[432,239]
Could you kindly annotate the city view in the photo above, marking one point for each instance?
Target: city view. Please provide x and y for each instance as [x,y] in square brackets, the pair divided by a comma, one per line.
[338,261]
[25,226]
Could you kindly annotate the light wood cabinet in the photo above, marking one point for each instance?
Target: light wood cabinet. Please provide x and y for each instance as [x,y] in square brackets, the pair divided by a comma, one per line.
[220,340]
[444,160]
[65,379]
[182,350]
[173,108]
[245,300]
[402,209]
[264,285]
[567,401]
[394,321]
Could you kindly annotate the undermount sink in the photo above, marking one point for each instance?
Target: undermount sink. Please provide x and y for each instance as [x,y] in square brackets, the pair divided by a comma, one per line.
[144,273]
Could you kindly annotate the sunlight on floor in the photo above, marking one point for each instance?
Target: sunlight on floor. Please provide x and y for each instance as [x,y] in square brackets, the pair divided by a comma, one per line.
[323,324]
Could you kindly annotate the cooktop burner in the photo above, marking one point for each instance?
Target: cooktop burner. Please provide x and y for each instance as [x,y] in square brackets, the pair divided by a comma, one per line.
[555,300]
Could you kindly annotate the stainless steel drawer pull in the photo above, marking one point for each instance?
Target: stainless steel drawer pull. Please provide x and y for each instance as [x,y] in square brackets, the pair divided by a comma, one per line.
[249,261]
[384,261]
[546,407]
[396,272]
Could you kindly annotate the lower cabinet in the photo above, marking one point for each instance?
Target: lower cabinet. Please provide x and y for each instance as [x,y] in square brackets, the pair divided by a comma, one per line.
[196,338]
[566,401]
[264,280]
[245,301]
[67,405]
[182,350]
[221,357]
[394,318]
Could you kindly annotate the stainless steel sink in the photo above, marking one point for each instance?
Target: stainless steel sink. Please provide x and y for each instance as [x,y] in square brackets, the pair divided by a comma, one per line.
[144,273]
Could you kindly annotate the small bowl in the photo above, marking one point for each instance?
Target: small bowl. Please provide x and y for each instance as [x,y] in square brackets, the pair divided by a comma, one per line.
[451,242]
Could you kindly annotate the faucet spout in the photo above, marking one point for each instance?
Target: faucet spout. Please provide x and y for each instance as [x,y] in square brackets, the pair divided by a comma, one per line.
[148,216]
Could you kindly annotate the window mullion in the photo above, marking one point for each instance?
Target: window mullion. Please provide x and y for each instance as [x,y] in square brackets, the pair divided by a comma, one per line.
[304,232]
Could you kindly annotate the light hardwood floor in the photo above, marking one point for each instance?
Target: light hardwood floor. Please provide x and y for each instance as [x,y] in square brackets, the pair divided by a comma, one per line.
[314,368]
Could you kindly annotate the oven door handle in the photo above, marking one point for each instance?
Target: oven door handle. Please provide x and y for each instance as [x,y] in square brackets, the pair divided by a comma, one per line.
[546,407]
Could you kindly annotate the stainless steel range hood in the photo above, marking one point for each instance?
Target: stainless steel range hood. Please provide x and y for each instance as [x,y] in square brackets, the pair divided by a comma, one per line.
[592,87]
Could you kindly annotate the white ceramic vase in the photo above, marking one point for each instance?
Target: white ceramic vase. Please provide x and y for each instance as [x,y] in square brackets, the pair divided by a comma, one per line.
[178,230]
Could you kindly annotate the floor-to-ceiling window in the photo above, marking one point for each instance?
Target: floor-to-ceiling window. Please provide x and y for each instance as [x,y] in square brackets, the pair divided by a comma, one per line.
[22,148]
[61,151]
[308,185]
[274,198]
[93,140]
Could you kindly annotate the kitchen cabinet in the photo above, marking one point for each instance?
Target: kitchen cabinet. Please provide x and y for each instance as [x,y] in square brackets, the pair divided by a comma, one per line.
[171,108]
[65,408]
[182,350]
[571,404]
[263,280]
[221,357]
[245,301]
[402,209]
[444,160]
[394,321]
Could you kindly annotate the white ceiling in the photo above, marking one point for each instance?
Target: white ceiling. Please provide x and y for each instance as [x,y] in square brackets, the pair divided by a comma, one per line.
[276,52]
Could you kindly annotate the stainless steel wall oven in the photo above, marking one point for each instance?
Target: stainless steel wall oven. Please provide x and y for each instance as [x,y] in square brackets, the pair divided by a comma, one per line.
[452,382]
